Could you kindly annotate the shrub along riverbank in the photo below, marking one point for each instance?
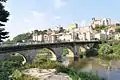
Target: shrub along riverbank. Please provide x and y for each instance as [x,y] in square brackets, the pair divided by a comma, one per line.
[76,74]
[13,70]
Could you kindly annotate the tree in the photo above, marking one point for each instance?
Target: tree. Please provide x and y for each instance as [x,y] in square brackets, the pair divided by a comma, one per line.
[61,29]
[106,53]
[3,18]
[99,28]
[117,29]
[65,51]
[44,31]
[36,31]
[21,37]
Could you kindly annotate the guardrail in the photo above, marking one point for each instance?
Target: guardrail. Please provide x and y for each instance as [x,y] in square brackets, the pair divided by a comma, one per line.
[31,43]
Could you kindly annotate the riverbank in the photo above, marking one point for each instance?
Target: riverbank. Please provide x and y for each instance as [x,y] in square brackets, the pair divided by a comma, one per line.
[46,74]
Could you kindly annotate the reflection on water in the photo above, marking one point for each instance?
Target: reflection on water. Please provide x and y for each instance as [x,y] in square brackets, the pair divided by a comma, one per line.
[95,66]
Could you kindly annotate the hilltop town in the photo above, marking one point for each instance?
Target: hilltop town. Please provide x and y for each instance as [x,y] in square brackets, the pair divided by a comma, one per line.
[99,29]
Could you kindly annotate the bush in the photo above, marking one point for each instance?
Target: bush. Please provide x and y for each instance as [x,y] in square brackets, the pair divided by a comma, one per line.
[76,74]
[18,75]
[43,63]
[4,74]
[7,68]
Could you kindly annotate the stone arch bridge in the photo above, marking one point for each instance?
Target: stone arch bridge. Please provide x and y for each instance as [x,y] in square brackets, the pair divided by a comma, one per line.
[30,50]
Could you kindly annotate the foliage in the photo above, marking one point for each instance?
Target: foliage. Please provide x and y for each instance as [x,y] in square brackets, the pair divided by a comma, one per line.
[21,37]
[109,52]
[105,52]
[105,49]
[65,51]
[44,63]
[45,51]
[3,18]
[43,55]
[11,68]
[7,68]
[3,0]
[61,29]
[10,64]
[117,29]
[8,41]
[76,74]
[17,59]
[82,52]
[4,74]
[99,28]
[40,32]
[16,74]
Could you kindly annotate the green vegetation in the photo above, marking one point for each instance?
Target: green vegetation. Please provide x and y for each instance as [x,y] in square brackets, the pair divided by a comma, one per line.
[65,51]
[82,52]
[117,29]
[18,75]
[76,74]
[99,28]
[3,18]
[109,51]
[11,70]
[12,67]
[43,61]
[25,36]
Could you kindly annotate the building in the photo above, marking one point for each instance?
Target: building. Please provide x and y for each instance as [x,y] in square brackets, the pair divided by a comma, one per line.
[75,32]
[99,22]
[65,37]
[101,36]
[117,36]
[86,33]
[35,37]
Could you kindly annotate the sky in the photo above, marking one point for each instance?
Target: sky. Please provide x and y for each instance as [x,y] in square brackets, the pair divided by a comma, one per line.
[27,15]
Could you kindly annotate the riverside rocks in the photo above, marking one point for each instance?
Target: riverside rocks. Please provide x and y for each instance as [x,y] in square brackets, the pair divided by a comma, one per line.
[46,74]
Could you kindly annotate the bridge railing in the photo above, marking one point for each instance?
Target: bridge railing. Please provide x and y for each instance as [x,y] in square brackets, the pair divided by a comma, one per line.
[31,43]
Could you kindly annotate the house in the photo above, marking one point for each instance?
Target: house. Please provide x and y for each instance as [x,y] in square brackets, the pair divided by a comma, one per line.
[66,37]
[101,36]
[117,36]
[99,22]
[86,33]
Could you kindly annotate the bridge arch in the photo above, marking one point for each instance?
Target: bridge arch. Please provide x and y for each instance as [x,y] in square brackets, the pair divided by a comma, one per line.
[30,55]
[49,52]
[70,52]
[18,55]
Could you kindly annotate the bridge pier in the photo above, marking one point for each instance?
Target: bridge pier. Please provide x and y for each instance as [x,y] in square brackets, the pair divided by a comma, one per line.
[31,55]
[58,52]
[76,52]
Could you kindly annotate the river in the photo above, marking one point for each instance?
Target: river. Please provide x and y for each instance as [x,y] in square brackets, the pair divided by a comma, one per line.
[96,66]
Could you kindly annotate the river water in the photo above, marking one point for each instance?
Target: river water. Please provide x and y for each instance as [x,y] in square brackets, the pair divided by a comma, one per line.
[99,67]
[96,66]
